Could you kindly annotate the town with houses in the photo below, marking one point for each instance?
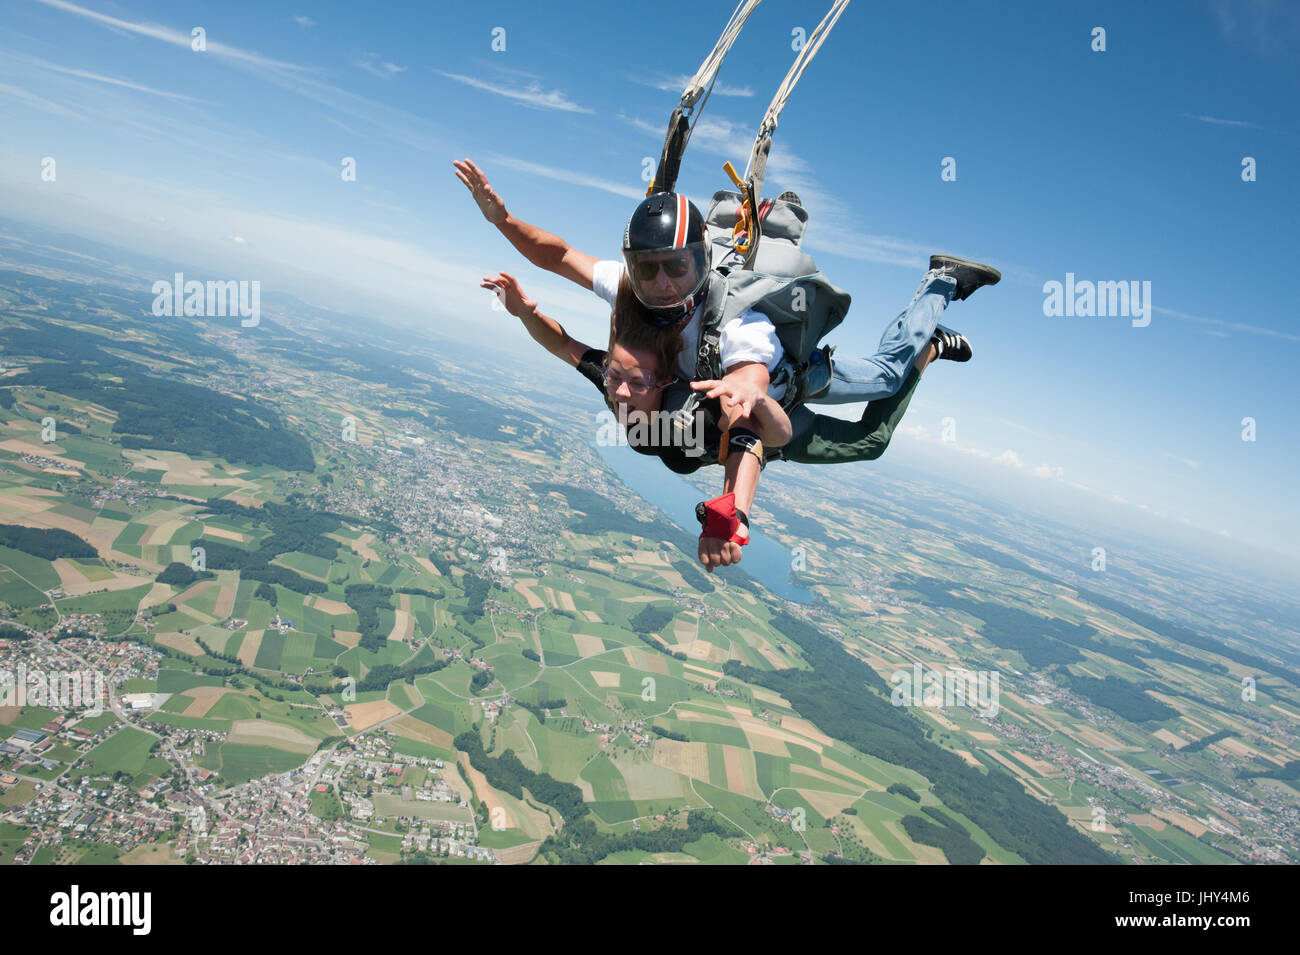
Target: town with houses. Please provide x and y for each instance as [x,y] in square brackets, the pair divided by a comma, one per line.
[271,819]
[266,820]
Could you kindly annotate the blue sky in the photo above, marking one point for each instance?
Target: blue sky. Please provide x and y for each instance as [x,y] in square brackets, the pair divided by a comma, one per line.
[1115,165]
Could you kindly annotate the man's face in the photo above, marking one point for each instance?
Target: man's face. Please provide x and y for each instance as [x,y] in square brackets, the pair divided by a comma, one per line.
[666,278]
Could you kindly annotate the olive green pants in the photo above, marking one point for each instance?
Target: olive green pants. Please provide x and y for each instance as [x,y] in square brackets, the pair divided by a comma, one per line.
[821,439]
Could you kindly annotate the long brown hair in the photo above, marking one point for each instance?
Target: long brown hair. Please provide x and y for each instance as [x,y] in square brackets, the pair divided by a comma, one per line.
[630,327]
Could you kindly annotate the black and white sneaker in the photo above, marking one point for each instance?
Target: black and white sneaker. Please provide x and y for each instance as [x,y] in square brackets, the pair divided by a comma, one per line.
[951,345]
[969,275]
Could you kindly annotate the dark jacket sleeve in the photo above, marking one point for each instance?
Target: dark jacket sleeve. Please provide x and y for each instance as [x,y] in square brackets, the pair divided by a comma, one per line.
[592,367]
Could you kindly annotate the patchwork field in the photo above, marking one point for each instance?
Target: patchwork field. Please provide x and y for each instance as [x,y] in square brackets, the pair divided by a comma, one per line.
[275,735]
[617,666]
[362,716]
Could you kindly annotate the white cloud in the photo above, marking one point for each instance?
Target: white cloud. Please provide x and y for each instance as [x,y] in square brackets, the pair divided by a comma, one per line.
[387,206]
[1007,458]
[1270,27]
[675,84]
[532,95]
[384,70]
[303,21]
[1233,326]
[1020,427]
[83,74]
[725,138]
[38,102]
[1223,122]
[569,176]
[396,125]
[495,64]
[203,226]
[117,110]
[320,165]
[340,124]
[167,35]
[643,125]
[1194,465]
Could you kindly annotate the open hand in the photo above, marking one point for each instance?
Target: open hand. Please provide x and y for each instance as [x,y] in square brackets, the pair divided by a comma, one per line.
[512,296]
[475,180]
[738,398]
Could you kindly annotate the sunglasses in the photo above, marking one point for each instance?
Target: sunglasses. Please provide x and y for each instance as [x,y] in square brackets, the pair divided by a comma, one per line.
[676,268]
[638,386]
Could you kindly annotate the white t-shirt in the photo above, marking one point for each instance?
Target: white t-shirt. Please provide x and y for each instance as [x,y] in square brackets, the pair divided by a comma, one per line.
[750,336]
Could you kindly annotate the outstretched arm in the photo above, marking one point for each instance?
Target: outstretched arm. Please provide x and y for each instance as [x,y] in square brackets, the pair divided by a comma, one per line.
[543,249]
[745,404]
[546,331]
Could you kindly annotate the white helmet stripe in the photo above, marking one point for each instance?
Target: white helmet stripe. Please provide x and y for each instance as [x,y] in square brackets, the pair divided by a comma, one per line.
[679,238]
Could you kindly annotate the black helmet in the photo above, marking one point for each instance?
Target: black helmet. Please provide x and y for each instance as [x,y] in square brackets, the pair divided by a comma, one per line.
[667,232]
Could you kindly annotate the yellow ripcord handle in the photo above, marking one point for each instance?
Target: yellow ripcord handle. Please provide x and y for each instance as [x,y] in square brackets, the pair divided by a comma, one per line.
[743,216]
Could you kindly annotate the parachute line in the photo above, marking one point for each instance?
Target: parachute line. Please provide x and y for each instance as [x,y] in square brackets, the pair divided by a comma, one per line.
[757,167]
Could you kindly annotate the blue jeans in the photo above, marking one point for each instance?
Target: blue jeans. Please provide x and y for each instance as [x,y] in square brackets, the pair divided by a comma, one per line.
[881,375]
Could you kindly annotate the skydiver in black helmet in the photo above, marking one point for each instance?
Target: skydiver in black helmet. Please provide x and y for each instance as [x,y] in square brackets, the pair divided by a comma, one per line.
[667,259]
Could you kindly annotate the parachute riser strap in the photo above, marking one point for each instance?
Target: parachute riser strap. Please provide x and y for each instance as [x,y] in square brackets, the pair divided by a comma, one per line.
[753,220]
[756,170]
[693,99]
[801,61]
[698,88]
[758,166]
[670,159]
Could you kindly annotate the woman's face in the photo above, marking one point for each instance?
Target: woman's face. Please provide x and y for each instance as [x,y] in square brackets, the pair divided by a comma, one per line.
[629,371]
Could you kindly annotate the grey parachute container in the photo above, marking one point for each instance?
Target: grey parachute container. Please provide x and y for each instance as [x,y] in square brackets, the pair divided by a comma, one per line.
[784,284]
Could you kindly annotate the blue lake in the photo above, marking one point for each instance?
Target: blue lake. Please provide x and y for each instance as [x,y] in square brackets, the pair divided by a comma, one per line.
[764,559]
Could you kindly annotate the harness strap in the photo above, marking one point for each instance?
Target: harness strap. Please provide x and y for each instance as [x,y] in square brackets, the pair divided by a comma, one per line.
[708,353]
